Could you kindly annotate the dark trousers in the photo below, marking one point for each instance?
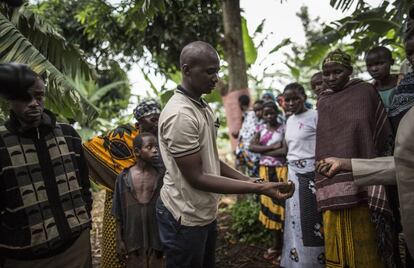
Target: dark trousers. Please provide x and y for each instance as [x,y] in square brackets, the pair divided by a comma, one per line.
[186,246]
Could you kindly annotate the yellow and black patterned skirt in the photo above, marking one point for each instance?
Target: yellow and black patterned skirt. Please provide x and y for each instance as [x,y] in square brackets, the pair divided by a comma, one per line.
[109,257]
[272,211]
[350,239]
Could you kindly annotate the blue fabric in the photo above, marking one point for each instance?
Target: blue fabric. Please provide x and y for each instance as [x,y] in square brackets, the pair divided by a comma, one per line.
[308,105]
[186,246]
[270,95]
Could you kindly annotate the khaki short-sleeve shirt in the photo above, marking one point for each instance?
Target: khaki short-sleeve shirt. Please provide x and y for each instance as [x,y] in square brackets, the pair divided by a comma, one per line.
[187,126]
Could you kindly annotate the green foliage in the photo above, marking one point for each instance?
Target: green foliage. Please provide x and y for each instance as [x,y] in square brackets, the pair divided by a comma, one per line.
[95,95]
[65,56]
[56,62]
[283,43]
[63,16]
[128,29]
[246,224]
[165,96]
[366,27]
[344,4]
[118,98]
[181,23]
[303,60]
[250,50]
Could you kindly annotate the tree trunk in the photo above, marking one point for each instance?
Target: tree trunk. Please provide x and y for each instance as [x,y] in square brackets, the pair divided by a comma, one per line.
[234,55]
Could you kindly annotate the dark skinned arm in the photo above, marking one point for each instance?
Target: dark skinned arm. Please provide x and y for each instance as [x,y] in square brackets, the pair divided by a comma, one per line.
[191,169]
[120,245]
[255,147]
[282,151]
[373,171]
[330,166]
[229,172]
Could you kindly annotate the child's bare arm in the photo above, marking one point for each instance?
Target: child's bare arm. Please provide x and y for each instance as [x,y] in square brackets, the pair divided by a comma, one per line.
[120,244]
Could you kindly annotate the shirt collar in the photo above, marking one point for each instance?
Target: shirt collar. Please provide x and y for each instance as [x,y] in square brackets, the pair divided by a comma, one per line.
[201,102]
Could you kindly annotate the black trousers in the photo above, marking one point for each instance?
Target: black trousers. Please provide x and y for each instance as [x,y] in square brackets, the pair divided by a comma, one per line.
[186,246]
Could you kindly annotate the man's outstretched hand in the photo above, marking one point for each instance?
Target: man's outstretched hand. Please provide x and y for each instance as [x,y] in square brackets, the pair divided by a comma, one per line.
[331,166]
[278,190]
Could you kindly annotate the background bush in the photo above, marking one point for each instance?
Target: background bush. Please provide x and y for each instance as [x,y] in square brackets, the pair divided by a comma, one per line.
[245,223]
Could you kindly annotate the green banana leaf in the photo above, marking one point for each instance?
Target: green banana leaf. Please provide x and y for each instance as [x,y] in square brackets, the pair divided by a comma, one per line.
[250,51]
[68,58]
[62,97]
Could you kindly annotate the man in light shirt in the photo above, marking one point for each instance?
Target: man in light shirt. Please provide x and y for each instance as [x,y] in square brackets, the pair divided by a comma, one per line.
[195,176]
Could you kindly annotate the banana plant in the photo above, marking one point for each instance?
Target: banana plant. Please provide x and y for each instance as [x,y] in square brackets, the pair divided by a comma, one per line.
[26,38]
[93,93]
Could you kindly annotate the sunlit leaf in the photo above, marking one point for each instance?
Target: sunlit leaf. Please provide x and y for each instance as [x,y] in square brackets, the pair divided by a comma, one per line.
[283,43]
[175,76]
[259,28]
[152,85]
[294,71]
[214,96]
[250,51]
[165,96]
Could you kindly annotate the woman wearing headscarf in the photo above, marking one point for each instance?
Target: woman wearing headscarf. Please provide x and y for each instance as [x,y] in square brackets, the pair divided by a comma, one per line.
[352,123]
[268,96]
[107,156]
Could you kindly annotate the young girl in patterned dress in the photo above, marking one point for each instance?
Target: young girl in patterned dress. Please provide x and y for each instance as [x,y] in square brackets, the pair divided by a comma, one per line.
[269,137]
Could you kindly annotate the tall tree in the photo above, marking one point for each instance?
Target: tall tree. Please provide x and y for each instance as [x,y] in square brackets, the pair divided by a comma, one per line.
[235,57]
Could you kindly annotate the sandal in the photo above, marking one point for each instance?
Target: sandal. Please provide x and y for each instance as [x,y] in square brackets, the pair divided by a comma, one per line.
[276,261]
[271,253]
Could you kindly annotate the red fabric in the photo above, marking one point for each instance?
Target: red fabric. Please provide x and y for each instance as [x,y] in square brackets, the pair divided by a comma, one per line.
[233,112]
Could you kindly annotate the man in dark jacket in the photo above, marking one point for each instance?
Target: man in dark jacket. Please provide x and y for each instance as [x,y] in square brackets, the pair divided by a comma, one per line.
[45,200]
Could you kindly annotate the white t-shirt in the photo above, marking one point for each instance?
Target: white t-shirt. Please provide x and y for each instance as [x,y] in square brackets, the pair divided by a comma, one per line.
[301,135]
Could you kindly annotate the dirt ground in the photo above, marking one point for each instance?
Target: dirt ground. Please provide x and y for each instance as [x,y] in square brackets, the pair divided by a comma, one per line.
[96,234]
[229,253]
[234,254]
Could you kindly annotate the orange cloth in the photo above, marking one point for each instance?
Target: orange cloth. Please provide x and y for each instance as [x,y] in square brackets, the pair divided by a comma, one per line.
[108,155]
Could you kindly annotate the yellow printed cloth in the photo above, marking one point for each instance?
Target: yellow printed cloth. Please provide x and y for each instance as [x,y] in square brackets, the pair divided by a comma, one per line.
[350,239]
[272,211]
[109,154]
[109,257]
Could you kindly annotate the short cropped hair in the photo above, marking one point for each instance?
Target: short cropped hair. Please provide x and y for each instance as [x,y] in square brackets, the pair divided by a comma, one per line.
[15,80]
[297,87]
[244,100]
[137,142]
[271,104]
[381,50]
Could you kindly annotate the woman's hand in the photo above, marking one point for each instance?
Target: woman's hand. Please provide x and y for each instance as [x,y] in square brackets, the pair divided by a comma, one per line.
[331,166]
